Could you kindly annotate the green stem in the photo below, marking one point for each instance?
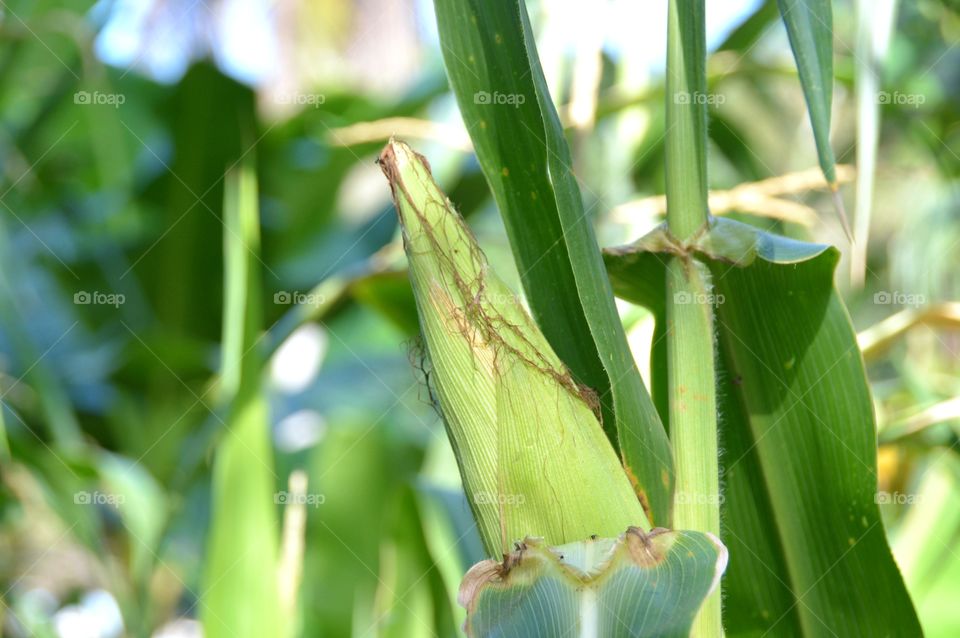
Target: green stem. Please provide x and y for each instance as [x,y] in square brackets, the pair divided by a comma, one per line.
[693,412]
[686,137]
[690,343]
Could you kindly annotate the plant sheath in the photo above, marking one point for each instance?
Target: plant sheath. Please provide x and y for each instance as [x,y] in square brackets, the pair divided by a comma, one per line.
[690,343]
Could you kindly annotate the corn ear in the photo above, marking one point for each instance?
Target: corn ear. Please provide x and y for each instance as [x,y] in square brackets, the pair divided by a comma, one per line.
[532,453]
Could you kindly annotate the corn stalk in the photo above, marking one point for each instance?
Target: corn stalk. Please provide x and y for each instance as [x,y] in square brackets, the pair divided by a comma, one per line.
[690,356]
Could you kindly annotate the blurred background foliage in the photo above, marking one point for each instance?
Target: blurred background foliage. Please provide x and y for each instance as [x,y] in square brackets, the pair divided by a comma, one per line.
[119,121]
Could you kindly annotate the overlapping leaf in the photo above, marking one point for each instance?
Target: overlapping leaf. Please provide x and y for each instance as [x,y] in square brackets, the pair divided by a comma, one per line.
[808,552]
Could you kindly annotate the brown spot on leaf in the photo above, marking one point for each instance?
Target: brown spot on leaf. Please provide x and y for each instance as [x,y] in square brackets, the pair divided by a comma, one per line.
[643,549]
[639,491]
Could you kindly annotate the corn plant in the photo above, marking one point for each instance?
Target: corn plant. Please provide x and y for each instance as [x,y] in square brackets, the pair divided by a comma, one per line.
[753,456]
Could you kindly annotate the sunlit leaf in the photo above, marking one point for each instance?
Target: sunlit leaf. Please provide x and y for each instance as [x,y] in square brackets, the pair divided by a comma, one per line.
[798,463]
[810,29]
[240,597]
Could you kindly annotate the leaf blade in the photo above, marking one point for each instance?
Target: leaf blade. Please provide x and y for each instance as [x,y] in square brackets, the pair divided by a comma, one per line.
[241,592]
[809,26]
[799,453]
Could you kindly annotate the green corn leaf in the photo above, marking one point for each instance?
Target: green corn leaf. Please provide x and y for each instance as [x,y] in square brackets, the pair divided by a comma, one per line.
[144,508]
[798,461]
[412,598]
[356,470]
[931,566]
[4,443]
[750,31]
[492,63]
[810,29]
[637,585]
[532,454]
[241,597]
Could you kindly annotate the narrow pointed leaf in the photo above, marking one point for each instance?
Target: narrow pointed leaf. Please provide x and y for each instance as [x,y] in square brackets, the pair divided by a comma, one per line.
[808,552]
[532,454]
[492,63]
[809,26]
[638,585]
[240,598]
[810,29]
